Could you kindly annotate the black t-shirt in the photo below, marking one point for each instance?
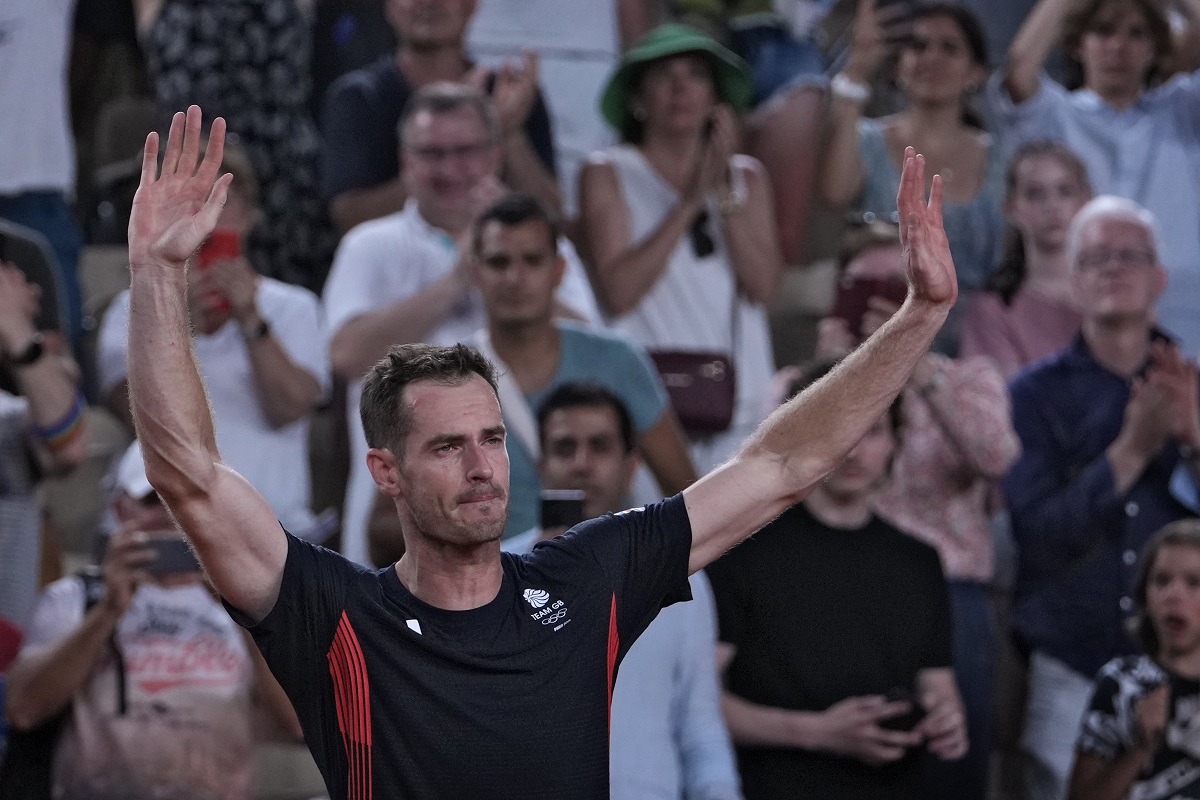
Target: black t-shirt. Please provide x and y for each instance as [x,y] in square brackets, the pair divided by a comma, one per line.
[360,140]
[818,615]
[399,699]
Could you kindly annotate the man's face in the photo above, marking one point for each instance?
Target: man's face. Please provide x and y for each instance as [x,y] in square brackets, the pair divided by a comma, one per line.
[429,24]
[582,449]
[454,469]
[447,157]
[1116,271]
[866,466]
[517,270]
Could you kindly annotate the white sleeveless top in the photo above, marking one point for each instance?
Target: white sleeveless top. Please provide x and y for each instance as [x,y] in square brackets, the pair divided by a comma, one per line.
[691,305]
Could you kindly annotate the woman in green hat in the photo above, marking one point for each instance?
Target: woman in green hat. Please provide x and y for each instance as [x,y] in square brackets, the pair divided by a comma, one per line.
[679,231]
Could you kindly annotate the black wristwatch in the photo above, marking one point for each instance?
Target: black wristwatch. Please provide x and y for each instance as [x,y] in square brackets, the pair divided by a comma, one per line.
[30,354]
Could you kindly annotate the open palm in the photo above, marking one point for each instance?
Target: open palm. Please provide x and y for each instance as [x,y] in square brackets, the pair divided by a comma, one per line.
[175,209]
[927,261]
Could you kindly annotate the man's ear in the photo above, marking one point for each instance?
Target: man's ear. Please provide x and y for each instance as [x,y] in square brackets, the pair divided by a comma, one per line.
[385,470]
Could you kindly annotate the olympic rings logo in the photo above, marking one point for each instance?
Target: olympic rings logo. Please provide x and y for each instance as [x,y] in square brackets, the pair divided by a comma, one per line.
[555,617]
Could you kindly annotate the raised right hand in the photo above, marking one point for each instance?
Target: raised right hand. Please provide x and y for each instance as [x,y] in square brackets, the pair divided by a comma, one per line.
[872,39]
[851,728]
[176,208]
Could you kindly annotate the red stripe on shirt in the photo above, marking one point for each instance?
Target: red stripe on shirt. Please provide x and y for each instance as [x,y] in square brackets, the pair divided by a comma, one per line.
[614,644]
[352,699]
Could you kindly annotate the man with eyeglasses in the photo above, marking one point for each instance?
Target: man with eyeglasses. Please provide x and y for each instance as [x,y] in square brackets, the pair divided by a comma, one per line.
[404,278]
[1110,430]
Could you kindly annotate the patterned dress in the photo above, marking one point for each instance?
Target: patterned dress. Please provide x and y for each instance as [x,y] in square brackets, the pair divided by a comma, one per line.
[249,61]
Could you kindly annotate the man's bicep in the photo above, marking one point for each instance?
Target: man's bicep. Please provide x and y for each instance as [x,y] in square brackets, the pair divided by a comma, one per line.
[238,540]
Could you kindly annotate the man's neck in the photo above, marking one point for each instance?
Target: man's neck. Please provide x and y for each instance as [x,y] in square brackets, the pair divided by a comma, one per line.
[451,577]
[1120,98]
[532,351]
[1120,346]
[426,65]
[838,512]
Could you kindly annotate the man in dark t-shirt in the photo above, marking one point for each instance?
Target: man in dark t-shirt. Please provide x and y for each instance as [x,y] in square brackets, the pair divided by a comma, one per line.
[360,151]
[459,671]
[835,636]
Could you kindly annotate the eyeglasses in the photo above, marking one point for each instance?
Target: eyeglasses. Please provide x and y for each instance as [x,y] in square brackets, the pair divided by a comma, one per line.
[1124,258]
[435,154]
[702,241]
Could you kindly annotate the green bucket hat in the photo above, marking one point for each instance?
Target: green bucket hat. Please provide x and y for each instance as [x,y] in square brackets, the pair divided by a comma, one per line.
[734,85]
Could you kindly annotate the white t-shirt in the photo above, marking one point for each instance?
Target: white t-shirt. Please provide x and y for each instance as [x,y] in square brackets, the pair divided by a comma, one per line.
[273,460]
[578,46]
[693,304]
[38,151]
[187,728]
[382,262]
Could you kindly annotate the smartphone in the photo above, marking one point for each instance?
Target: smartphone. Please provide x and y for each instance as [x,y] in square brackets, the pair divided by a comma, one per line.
[221,245]
[562,508]
[172,554]
[853,295]
[904,722]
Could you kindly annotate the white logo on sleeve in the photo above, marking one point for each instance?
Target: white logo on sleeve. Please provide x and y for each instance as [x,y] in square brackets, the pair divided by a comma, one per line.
[536,597]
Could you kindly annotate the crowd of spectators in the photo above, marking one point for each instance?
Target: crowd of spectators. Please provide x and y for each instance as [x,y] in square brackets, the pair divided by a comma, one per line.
[604,198]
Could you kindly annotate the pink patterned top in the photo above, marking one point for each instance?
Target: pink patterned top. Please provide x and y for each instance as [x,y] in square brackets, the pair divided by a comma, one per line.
[957,442]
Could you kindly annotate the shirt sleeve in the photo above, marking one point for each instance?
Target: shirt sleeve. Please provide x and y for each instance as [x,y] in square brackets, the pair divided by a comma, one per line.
[539,131]
[295,636]
[59,611]
[1036,118]
[643,554]
[1059,510]
[642,391]
[939,650]
[709,770]
[359,142]
[113,344]
[350,289]
[727,596]
[1109,726]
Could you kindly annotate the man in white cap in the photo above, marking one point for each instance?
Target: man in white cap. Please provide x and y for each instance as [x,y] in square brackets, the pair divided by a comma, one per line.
[157,678]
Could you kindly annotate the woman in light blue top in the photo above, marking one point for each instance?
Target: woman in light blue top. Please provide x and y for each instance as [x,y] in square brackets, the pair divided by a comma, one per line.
[941,61]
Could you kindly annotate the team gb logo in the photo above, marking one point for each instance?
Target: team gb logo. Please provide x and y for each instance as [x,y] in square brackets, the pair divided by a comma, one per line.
[536,597]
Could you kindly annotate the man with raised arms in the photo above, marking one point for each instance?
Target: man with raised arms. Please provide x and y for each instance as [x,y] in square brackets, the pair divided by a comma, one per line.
[459,671]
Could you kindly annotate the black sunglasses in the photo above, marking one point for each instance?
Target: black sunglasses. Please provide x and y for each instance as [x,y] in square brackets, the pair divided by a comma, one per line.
[702,241]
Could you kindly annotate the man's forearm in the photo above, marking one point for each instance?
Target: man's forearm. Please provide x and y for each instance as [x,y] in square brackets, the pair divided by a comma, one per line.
[754,725]
[365,339]
[286,391]
[41,685]
[525,172]
[170,408]
[813,432]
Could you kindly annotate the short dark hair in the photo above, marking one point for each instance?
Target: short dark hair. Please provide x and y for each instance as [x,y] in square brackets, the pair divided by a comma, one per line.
[1083,21]
[1181,532]
[510,211]
[576,394]
[815,370]
[385,420]
[444,97]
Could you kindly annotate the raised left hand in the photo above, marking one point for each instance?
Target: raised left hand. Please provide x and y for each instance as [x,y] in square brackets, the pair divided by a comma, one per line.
[927,261]
[514,91]
[176,206]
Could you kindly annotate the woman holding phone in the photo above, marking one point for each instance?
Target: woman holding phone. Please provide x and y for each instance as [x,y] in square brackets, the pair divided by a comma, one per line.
[956,442]
[940,63]
[678,231]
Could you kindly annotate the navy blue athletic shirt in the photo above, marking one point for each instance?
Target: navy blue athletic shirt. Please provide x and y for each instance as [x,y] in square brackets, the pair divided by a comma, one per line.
[399,699]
